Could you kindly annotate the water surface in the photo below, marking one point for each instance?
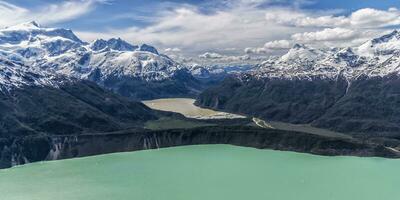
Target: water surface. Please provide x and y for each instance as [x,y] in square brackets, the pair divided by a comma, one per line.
[186,107]
[209,172]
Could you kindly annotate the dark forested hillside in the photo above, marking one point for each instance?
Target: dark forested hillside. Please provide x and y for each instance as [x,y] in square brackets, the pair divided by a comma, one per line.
[367,105]
[73,108]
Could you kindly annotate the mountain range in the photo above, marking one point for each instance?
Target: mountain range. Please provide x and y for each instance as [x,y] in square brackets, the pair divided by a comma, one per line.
[55,88]
[353,90]
[137,72]
[52,83]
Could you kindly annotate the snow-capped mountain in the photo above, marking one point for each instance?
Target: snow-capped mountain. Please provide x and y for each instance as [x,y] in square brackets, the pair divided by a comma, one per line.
[377,57]
[112,44]
[61,51]
[382,46]
[351,90]
[18,75]
[220,70]
[111,63]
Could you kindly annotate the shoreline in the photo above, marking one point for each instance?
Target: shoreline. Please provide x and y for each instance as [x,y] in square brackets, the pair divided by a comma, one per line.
[42,148]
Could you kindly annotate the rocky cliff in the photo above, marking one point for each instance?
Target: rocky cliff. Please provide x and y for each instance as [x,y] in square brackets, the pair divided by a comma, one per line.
[23,150]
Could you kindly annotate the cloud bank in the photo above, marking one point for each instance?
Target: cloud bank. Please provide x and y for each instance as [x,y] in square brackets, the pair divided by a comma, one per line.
[227,28]
[48,14]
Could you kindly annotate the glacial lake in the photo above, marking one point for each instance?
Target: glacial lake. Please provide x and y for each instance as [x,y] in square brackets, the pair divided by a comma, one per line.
[206,172]
[186,107]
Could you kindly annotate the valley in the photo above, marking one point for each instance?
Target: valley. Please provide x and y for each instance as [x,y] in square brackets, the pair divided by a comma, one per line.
[188,108]
[188,125]
[82,98]
[207,100]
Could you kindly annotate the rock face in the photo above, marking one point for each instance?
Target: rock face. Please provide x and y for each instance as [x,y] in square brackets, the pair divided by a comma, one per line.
[351,90]
[114,64]
[37,148]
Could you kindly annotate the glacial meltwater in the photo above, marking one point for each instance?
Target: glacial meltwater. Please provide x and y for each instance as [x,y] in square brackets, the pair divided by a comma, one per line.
[186,107]
[207,172]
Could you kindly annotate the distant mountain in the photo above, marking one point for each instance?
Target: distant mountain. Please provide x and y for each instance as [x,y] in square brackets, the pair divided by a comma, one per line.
[377,57]
[115,64]
[353,90]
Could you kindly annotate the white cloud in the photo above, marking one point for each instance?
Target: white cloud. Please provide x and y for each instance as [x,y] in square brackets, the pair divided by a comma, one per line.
[245,23]
[236,58]
[277,44]
[210,55]
[328,34]
[328,29]
[47,14]
[172,49]
[193,31]
[257,50]
[300,18]
[371,18]
[362,18]
[269,47]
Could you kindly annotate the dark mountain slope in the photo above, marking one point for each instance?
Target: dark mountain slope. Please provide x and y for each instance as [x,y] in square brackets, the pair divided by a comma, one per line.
[295,101]
[370,105]
[72,108]
[354,89]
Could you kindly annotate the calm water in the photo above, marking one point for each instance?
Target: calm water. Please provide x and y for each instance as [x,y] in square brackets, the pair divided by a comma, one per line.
[186,107]
[205,173]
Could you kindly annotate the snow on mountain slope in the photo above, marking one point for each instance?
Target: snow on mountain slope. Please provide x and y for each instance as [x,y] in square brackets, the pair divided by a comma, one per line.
[60,51]
[113,43]
[16,75]
[377,57]
[146,65]
[301,53]
[31,41]
[382,46]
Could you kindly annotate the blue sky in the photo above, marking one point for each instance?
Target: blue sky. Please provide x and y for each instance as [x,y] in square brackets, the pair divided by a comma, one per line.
[226,28]
[136,10]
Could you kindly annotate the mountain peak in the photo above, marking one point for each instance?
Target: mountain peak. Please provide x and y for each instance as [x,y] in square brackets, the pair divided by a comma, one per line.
[301,52]
[346,50]
[299,46]
[385,38]
[381,46]
[26,25]
[120,44]
[33,23]
[148,48]
[113,43]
